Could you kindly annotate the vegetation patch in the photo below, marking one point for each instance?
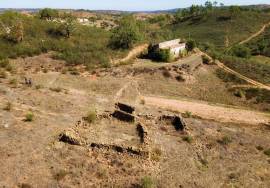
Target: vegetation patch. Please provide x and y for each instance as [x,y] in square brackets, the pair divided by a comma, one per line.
[147,182]
[73,42]
[156,154]
[260,95]
[91,116]
[188,139]
[267,152]
[29,117]
[249,68]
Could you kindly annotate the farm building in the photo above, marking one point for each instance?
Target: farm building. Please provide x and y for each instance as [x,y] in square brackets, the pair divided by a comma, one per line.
[176,47]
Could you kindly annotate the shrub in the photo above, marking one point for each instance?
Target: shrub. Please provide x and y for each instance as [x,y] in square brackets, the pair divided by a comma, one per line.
[165,55]
[239,93]
[91,116]
[267,152]
[147,182]
[161,55]
[187,114]
[187,139]
[240,51]
[48,14]
[156,154]
[190,45]
[29,117]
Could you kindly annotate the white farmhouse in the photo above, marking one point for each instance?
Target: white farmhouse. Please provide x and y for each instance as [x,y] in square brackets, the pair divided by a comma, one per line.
[83,20]
[176,47]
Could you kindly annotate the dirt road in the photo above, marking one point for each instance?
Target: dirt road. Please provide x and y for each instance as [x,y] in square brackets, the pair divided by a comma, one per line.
[253,82]
[211,112]
[248,80]
[132,54]
[255,34]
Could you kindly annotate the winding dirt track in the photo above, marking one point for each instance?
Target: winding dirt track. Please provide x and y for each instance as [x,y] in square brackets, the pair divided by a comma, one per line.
[255,34]
[132,54]
[248,80]
[211,112]
[253,82]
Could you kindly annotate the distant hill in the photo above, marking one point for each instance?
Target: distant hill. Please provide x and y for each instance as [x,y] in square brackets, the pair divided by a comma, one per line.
[259,6]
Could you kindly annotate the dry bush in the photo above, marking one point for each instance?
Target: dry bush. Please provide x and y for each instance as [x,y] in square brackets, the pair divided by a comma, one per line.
[91,116]
[156,154]
[188,139]
[29,117]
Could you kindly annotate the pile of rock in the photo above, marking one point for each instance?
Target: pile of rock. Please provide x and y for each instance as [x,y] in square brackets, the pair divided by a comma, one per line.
[176,120]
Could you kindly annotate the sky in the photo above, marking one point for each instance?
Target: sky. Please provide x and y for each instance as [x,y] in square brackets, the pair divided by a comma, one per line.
[129,5]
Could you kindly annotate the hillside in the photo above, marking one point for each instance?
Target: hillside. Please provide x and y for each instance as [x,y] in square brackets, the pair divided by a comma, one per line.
[220,27]
[86,106]
[86,45]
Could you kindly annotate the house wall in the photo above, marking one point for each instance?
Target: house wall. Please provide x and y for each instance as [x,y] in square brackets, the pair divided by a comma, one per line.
[167,44]
[177,50]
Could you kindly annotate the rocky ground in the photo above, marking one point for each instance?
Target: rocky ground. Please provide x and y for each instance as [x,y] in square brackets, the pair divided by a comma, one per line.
[143,143]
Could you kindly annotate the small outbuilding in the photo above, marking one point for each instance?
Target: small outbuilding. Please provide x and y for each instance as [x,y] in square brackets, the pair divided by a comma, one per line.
[176,47]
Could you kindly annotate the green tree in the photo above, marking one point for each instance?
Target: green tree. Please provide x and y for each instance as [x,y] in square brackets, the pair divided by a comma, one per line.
[68,26]
[126,34]
[234,11]
[195,10]
[190,45]
[208,5]
[48,14]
